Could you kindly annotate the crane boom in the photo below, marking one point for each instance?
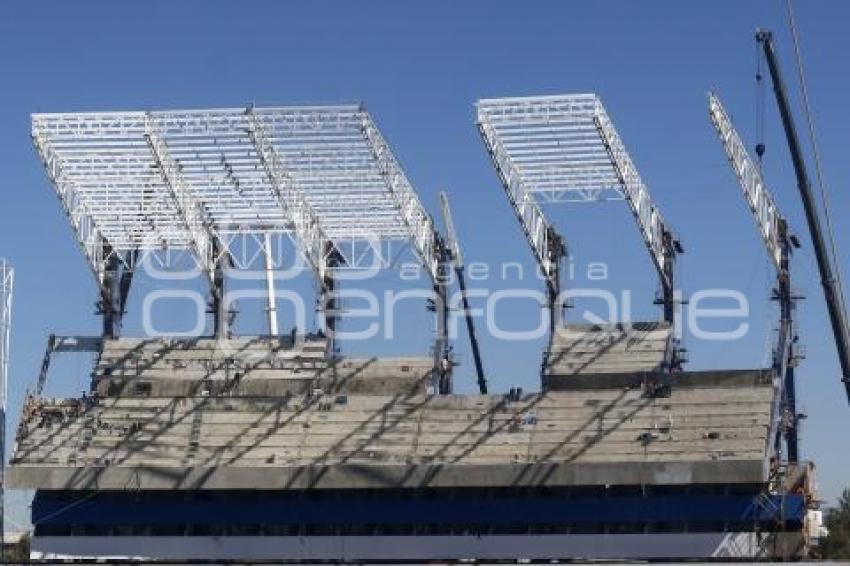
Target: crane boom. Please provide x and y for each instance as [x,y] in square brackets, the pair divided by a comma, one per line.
[834,304]
[453,247]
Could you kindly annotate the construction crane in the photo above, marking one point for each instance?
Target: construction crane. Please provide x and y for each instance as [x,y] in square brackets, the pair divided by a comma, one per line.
[7,280]
[453,247]
[779,243]
[831,286]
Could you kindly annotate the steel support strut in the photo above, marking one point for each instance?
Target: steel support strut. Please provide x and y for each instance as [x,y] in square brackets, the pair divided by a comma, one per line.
[657,237]
[218,295]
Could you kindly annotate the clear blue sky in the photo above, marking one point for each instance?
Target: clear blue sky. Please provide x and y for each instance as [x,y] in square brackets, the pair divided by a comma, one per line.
[419,68]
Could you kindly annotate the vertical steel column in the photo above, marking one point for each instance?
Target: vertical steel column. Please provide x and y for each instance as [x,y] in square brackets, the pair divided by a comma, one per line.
[668,296]
[218,302]
[557,253]
[109,306]
[442,358]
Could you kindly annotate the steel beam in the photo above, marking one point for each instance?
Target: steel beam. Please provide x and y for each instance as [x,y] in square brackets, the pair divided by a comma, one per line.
[548,250]
[759,200]
[89,237]
[420,225]
[189,210]
[773,229]
[195,220]
[307,226]
[650,223]
[105,158]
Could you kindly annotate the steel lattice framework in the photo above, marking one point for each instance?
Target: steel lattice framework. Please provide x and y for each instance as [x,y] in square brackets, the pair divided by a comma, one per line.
[773,229]
[186,179]
[759,200]
[565,148]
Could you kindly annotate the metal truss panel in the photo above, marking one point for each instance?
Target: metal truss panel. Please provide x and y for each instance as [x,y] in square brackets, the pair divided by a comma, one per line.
[763,207]
[419,223]
[192,215]
[531,217]
[176,179]
[649,221]
[564,148]
[307,226]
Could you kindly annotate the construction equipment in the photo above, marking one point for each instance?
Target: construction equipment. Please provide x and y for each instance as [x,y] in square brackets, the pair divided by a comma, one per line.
[829,281]
[779,243]
[453,246]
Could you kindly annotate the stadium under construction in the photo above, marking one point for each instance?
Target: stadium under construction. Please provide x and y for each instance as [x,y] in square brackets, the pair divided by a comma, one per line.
[282,447]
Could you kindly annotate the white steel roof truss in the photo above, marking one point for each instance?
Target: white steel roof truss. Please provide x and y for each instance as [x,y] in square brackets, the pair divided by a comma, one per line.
[204,174]
[564,148]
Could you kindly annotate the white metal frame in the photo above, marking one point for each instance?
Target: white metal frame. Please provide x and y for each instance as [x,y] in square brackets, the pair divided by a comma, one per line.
[190,212]
[162,180]
[765,213]
[564,148]
[7,281]
[769,222]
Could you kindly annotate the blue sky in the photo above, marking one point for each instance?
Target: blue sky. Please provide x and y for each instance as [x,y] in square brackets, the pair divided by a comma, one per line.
[419,68]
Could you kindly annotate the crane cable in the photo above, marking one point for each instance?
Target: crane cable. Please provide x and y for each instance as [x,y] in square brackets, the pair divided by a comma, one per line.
[822,187]
[760,106]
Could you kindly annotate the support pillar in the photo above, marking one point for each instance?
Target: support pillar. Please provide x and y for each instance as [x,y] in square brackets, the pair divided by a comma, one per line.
[329,310]
[113,292]
[218,304]
[668,297]
[272,300]
[442,356]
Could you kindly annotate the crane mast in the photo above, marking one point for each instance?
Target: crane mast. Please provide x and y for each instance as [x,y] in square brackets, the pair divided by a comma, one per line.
[832,294]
